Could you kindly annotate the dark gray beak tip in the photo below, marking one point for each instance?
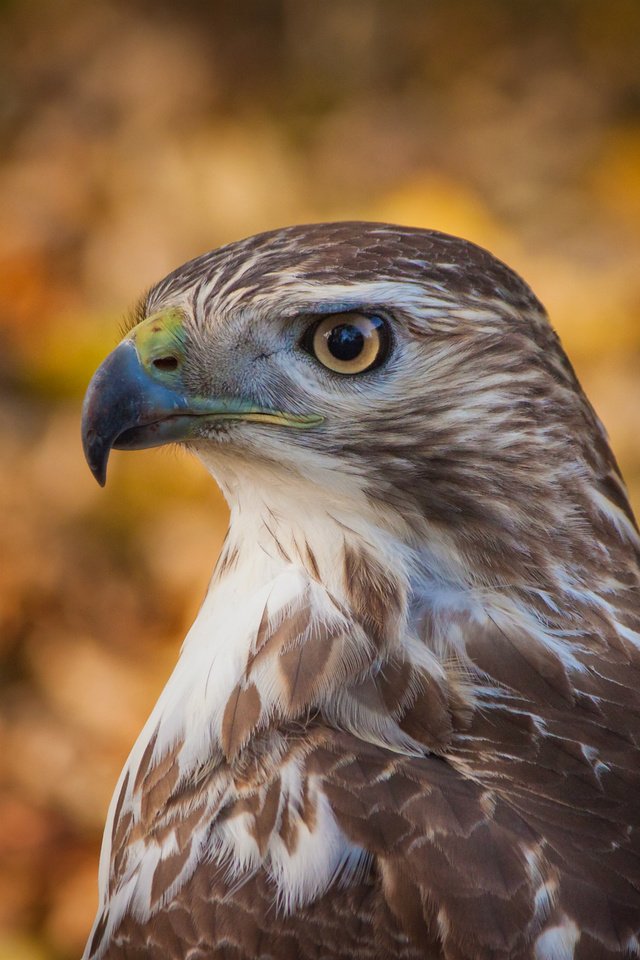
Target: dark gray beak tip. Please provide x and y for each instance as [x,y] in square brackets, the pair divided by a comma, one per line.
[97,456]
[96,447]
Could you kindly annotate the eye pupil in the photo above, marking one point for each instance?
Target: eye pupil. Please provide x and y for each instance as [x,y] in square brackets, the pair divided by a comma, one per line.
[345,341]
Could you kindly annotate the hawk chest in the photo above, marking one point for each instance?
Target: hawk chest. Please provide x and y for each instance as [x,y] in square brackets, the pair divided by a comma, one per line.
[251,866]
[213,916]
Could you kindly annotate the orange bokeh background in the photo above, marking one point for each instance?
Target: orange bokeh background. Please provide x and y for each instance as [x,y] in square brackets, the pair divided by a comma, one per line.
[136,135]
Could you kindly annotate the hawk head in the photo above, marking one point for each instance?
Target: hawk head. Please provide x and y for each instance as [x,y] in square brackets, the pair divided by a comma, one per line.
[395,376]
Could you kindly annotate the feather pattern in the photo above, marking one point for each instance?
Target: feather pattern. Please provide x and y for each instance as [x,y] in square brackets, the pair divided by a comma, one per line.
[406,722]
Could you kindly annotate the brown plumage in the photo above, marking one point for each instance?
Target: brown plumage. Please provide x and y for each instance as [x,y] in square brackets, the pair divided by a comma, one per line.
[406,721]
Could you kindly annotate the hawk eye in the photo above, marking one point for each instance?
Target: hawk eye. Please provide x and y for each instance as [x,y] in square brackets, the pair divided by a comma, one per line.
[348,342]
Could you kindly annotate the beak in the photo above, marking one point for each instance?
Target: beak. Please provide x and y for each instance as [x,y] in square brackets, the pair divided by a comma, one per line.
[137,399]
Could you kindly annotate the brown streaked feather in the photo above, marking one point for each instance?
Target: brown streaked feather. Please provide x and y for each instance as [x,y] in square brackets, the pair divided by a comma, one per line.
[376,598]
[241,716]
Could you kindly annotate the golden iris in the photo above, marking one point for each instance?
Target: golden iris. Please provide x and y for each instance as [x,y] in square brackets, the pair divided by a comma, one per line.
[350,342]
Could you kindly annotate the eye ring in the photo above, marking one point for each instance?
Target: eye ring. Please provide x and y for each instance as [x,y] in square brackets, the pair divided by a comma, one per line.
[348,343]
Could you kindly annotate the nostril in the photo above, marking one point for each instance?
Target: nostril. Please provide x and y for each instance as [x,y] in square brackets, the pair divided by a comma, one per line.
[166,363]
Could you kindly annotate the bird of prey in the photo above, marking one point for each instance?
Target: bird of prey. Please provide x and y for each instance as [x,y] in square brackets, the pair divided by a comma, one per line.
[406,721]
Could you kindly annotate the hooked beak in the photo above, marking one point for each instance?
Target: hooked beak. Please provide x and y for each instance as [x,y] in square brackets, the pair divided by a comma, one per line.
[136,398]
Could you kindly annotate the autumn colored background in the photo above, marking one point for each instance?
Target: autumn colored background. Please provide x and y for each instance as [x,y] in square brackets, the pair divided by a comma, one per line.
[138,134]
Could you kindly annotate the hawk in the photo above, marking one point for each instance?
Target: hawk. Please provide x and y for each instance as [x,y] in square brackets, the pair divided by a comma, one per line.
[405,723]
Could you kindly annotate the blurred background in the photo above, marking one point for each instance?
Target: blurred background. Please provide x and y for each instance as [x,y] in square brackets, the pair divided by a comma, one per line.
[135,135]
